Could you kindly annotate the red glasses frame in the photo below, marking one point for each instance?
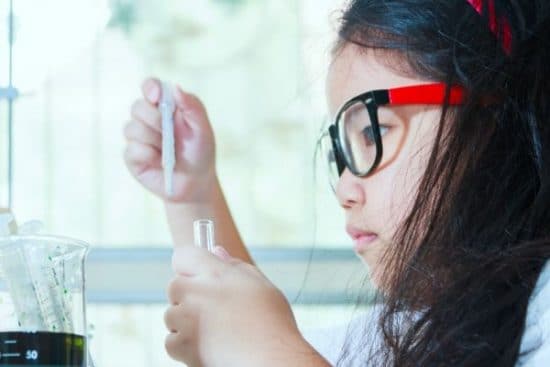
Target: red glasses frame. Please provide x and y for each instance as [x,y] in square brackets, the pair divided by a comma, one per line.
[423,94]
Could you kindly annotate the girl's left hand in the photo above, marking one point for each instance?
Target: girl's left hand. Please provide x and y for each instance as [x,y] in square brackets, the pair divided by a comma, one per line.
[226,313]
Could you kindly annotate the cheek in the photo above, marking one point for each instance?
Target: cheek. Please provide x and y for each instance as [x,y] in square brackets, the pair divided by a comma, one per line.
[409,169]
[391,192]
[390,197]
[395,188]
[404,187]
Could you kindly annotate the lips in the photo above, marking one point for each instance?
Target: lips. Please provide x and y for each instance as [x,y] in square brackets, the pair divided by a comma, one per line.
[361,239]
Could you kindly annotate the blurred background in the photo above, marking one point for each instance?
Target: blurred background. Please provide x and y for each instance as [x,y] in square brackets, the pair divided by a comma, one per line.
[258,65]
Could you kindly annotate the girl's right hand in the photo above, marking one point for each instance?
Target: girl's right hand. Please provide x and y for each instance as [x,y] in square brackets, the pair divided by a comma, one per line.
[195,172]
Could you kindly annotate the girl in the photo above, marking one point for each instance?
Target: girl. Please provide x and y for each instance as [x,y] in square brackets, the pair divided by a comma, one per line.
[440,152]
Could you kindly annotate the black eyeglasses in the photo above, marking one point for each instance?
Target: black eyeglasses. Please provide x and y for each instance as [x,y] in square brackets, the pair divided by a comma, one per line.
[364,135]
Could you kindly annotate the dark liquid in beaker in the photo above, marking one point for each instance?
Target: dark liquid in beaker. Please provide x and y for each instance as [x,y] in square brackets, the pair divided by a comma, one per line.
[42,349]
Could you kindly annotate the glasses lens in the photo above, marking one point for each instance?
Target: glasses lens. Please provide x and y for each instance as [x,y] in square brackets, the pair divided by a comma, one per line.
[329,156]
[358,138]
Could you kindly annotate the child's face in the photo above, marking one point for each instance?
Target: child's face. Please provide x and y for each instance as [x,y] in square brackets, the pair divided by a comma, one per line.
[375,205]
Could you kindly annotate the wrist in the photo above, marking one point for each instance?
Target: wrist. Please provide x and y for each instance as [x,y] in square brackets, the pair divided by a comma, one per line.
[199,191]
[181,215]
[291,351]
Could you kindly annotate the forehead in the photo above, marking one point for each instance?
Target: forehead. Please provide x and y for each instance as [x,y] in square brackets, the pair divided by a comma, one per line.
[354,70]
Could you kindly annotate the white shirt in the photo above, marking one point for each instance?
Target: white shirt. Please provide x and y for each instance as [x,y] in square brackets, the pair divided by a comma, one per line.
[534,349]
[535,343]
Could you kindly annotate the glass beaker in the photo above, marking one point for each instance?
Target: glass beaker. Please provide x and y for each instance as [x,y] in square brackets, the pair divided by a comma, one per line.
[42,301]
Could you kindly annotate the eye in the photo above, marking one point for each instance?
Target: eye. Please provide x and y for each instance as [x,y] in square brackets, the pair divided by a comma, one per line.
[368,133]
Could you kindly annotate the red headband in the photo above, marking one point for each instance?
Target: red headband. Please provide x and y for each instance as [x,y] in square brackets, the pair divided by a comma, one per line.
[500,27]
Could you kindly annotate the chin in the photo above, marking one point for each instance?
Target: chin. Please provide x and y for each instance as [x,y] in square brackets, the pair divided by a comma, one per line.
[372,265]
[368,257]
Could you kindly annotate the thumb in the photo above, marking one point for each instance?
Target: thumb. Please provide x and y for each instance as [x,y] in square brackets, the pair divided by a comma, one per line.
[191,107]
[222,254]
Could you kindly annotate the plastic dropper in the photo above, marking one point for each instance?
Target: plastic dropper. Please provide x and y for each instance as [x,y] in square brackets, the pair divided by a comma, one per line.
[33,276]
[167,108]
[204,234]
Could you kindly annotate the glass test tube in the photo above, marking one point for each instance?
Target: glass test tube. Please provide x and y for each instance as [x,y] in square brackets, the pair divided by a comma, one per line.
[204,234]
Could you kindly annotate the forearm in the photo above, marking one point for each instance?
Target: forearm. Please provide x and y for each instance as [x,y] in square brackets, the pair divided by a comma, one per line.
[309,359]
[296,354]
[181,216]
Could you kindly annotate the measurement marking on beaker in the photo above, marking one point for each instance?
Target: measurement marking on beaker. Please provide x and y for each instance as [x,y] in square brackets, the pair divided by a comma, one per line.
[11,355]
[10,341]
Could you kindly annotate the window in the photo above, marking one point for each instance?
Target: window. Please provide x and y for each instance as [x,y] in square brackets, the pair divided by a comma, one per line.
[78,65]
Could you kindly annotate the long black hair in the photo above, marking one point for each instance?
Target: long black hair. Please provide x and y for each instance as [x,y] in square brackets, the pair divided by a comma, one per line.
[470,251]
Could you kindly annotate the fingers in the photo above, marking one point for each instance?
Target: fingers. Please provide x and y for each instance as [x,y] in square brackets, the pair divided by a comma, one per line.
[189,107]
[141,133]
[181,347]
[177,289]
[182,326]
[223,255]
[177,319]
[141,154]
[151,89]
[173,345]
[196,261]
[146,112]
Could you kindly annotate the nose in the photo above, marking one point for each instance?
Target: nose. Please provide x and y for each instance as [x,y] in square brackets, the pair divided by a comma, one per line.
[349,190]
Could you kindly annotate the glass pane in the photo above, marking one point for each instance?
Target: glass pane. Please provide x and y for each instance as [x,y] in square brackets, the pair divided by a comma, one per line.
[258,66]
[3,153]
[359,141]
[4,80]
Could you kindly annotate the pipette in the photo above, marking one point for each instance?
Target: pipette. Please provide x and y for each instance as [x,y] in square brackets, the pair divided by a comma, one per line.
[167,108]
[204,234]
[33,275]
[45,271]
